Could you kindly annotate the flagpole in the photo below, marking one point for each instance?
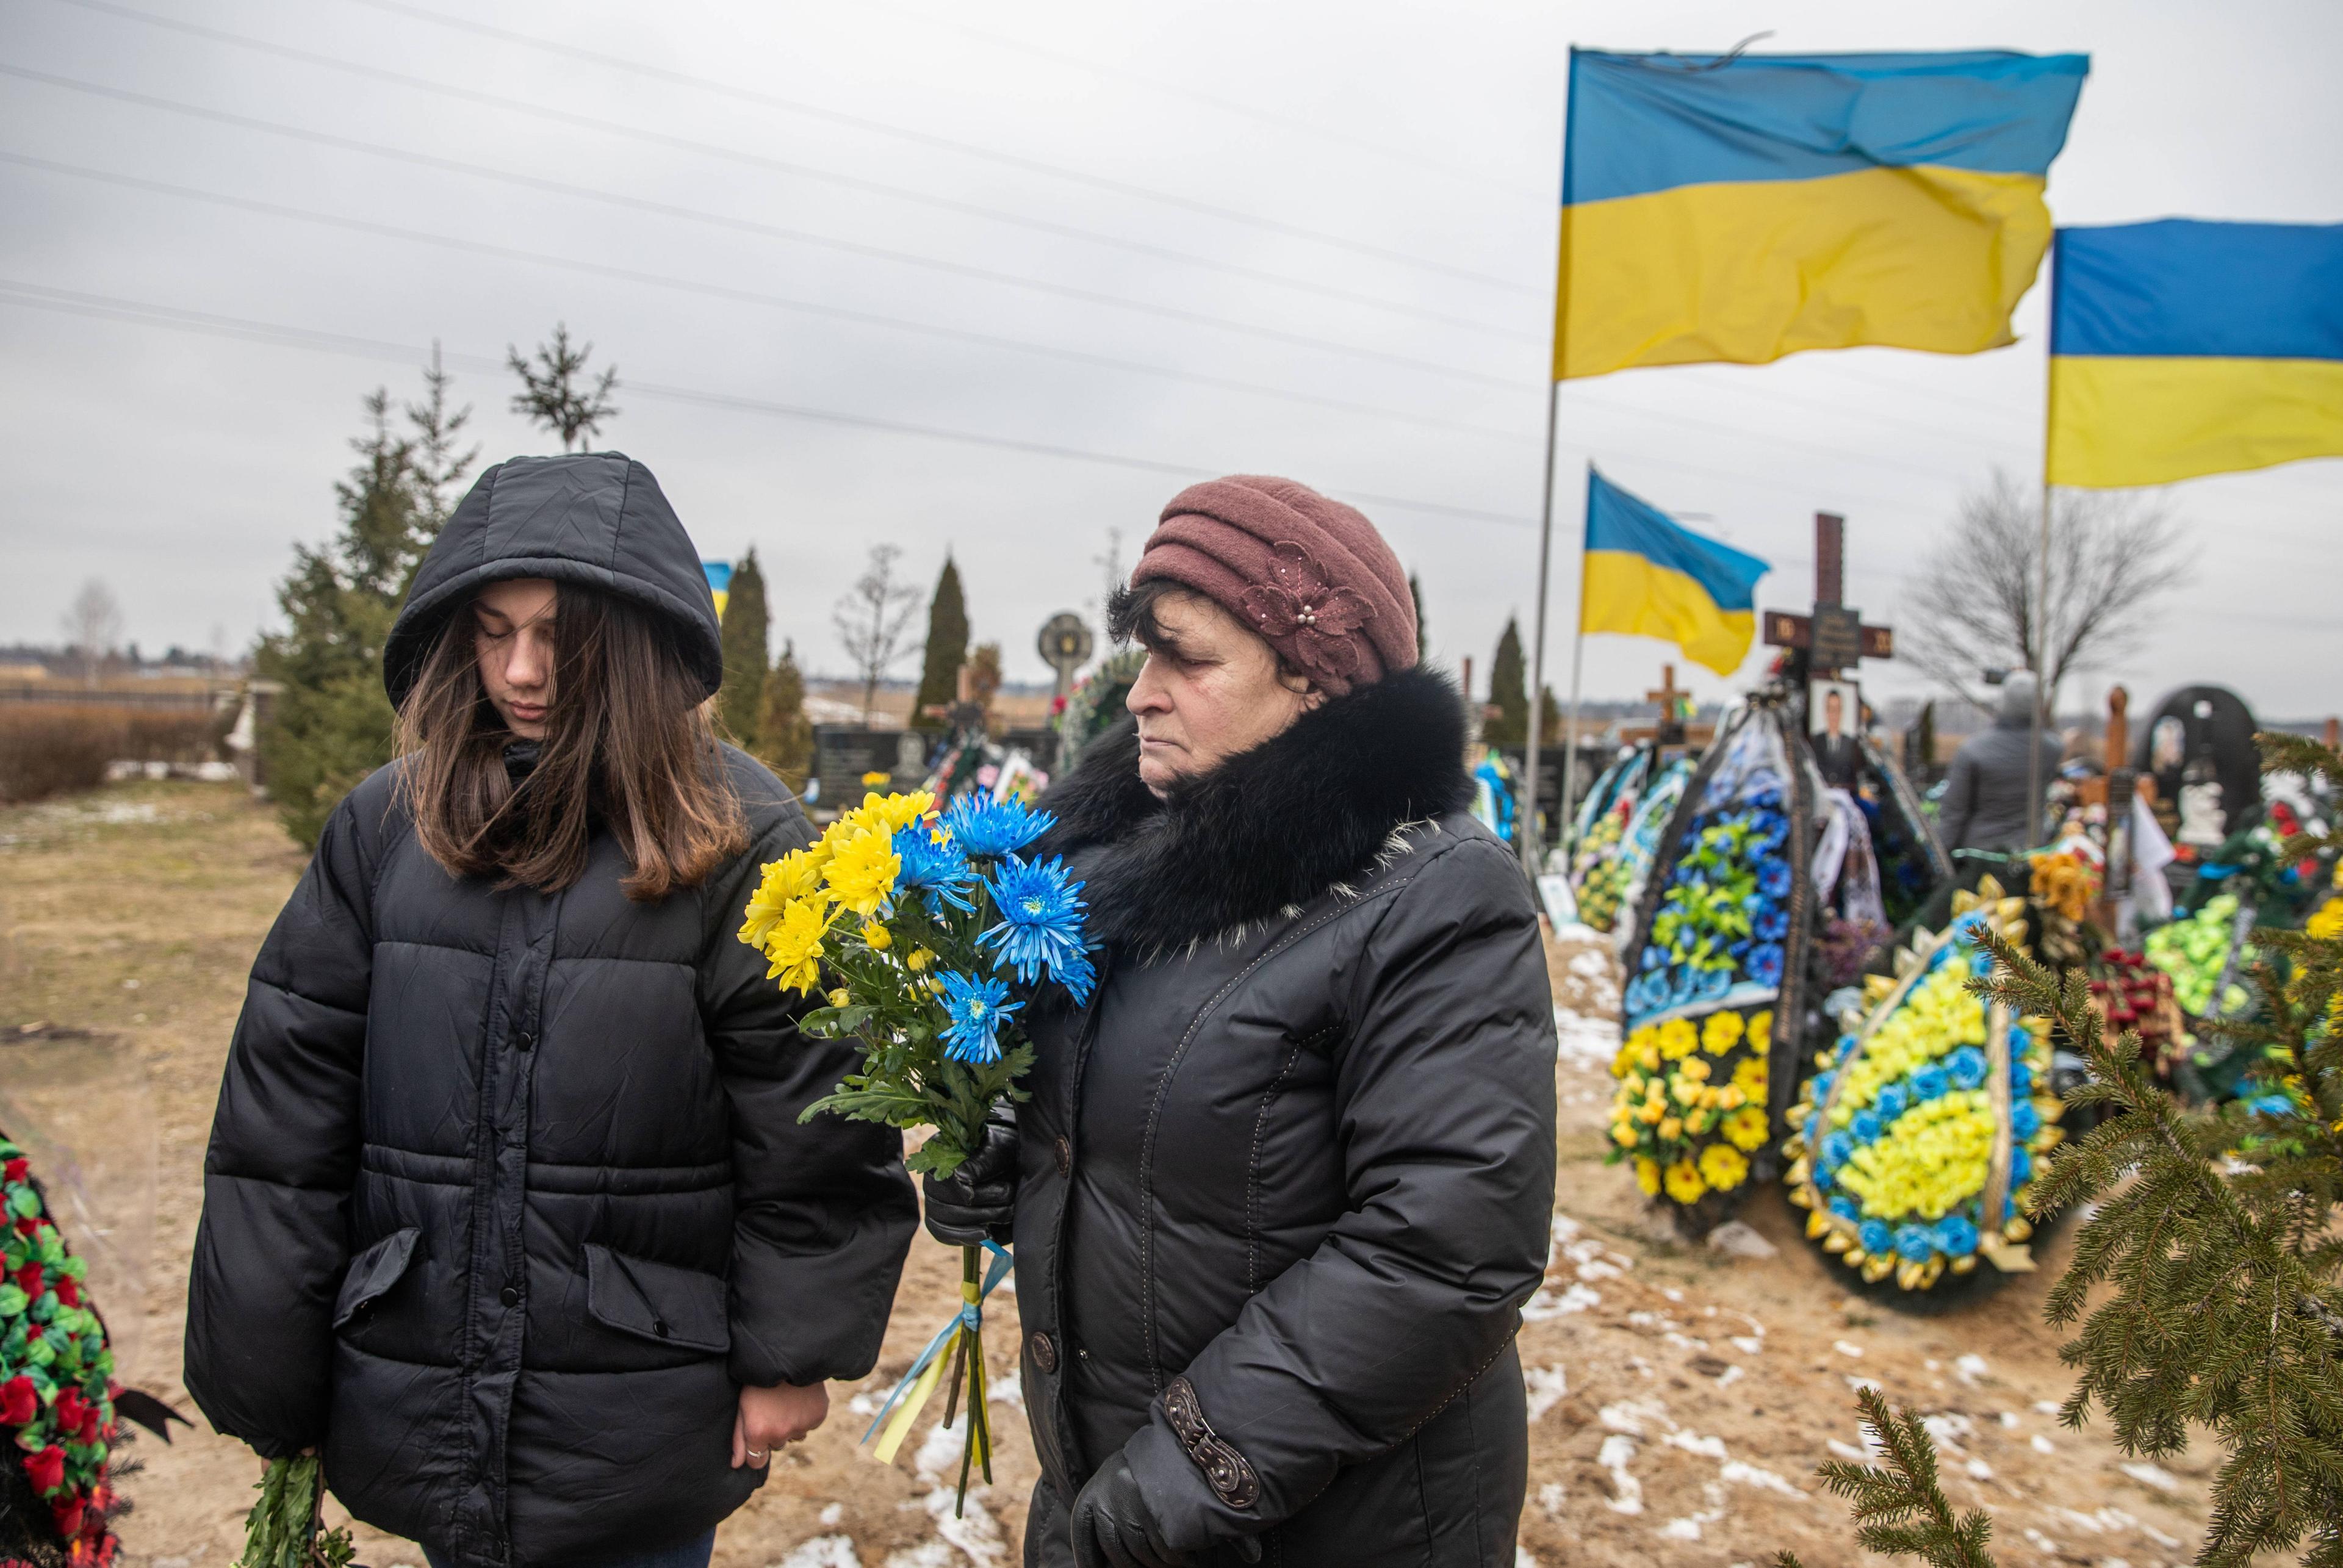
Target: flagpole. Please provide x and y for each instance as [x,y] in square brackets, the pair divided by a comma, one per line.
[2034,779]
[1526,827]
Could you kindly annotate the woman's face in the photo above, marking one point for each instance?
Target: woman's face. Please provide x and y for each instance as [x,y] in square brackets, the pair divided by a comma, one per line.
[1209,690]
[514,635]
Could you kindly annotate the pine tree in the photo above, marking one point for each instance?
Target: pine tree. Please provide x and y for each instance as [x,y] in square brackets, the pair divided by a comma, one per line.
[330,726]
[984,677]
[553,391]
[437,465]
[740,703]
[1509,692]
[786,735]
[947,649]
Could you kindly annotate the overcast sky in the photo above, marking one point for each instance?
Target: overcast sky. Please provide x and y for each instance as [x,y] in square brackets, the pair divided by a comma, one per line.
[1121,246]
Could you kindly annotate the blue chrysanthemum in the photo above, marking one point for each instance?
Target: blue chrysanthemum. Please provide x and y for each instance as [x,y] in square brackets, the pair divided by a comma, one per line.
[1892,1102]
[2021,1080]
[1966,1067]
[1821,1088]
[1714,984]
[1955,1236]
[1865,1125]
[939,870]
[2021,1167]
[1845,1208]
[1847,1044]
[1765,963]
[1650,960]
[2025,1121]
[1876,1237]
[988,830]
[1929,1083]
[977,1009]
[1041,925]
[1813,1129]
[1771,926]
[1838,1149]
[1915,1244]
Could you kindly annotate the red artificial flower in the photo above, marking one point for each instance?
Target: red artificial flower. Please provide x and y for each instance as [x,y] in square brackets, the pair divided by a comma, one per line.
[30,1227]
[46,1468]
[71,1407]
[69,1291]
[28,1278]
[67,1512]
[20,1402]
[18,1170]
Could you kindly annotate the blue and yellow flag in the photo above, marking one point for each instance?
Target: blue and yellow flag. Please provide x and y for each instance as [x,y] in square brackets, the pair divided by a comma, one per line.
[1647,575]
[1752,206]
[2180,348]
[719,583]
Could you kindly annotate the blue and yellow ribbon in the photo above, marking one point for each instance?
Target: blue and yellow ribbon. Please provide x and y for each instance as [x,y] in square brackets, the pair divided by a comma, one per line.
[912,1394]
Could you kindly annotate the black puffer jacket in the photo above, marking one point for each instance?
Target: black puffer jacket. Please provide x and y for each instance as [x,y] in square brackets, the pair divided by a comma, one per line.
[1286,1182]
[507,1194]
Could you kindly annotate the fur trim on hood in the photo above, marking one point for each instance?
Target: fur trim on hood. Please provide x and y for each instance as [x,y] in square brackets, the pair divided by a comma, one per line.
[1271,827]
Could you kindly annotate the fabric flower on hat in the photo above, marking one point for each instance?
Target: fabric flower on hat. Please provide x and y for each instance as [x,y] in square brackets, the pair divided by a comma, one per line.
[1299,603]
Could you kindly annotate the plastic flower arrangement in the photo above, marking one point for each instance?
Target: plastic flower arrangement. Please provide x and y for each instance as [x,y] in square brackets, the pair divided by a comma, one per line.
[1600,876]
[1899,1151]
[2197,951]
[1639,842]
[911,926]
[57,1387]
[1720,926]
[1690,1106]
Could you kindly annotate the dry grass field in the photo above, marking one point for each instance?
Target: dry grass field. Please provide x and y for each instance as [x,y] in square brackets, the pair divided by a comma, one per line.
[1681,1395]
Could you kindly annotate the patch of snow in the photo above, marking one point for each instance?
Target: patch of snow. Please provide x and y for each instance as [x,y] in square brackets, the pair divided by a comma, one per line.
[1980,1471]
[1969,1368]
[1847,1348]
[1693,1442]
[926,1554]
[1543,1306]
[1672,1292]
[1522,1558]
[823,1551]
[1550,1498]
[2169,1542]
[2041,1444]
[1846,1451]
[1736,1239]
[1586,1044]
[1009,1390]
[1948,1427]
[1748,1344]
[2153,1476]
[1548,1386]
[1857,1384]
[1588,962]
[1680,1529]
[2042,1543]
[2008,1418]
[975,1533]
[864,1404]
[1752,1475]
[2045,1407]
[1627,1492]
[831,1515]
[1728,1377]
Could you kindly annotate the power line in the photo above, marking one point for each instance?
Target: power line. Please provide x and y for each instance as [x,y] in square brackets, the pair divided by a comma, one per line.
[724,291]
[924,138]
[772,165]
[670,209]
[145,314]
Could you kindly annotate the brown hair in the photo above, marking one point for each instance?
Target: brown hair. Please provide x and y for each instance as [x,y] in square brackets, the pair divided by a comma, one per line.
[628,744]
[1131,617]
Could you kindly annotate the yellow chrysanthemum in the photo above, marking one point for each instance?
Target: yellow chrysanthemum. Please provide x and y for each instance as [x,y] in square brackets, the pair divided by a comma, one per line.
[2328,923]
[794,946]
[1722,1167]
[1647,1176]
[1746,1128]
[1760,1031]
[892,813]
[1721,1033]
[840,996]
[862,870]
[1683,1182]
[877,935]
[874,778]
[1678,1038]
[919,960]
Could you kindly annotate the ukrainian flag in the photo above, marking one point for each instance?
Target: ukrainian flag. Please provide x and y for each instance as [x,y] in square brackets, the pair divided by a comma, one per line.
[719,583]
[1753,206]
[1647,575]
[2180,348]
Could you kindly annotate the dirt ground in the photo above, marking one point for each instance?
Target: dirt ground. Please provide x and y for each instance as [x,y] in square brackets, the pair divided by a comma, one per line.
[1681,1397]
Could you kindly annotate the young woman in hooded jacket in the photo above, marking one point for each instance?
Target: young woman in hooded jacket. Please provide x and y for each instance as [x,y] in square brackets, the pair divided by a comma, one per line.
[1284,1185]
[507,1207]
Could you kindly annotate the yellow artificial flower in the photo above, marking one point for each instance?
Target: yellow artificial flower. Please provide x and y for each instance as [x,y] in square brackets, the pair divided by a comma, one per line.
[1746,1128]
[1624,1135]
[794,946]
[1721,1033]
[1649,1058]
[1695,1068]
[1697,1122]
[1650,1110]
[1730,1098]
[1749,1078]
[840,996]
[1683,1182]
[874,778]
[862,870]
[2328,923]
[919,960]
[1678,1038]
[1647,1175]
[1671,1129]
[1722,1167]
[877,937]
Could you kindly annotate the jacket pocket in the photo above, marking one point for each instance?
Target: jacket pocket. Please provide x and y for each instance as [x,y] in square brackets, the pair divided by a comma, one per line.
[372,1274]
[658,1301]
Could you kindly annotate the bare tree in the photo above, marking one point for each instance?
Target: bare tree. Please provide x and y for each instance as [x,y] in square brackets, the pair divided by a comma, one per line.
[553,392]
[871,622]
[92,624]
[1971,604]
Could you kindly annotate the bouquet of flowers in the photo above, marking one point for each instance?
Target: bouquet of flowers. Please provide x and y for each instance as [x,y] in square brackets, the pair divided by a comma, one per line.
[56,1389]
[1690,1108]
[910,926]
[1916,1141]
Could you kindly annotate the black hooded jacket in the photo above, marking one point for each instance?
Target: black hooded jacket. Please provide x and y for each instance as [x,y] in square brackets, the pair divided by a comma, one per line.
[1286,1180]
[507,1194]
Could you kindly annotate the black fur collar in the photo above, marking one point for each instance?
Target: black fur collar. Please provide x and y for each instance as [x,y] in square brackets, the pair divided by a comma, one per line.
[1270,828]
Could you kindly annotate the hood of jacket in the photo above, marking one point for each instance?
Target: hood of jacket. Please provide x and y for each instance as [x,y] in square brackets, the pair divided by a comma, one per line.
[597,519]
[1267,829]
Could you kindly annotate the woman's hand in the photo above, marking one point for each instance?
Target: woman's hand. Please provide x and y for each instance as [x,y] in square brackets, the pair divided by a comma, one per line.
[770,1417]
[980,1199]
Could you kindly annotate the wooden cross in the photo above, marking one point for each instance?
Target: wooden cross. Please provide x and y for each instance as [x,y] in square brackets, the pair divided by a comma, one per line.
[1670,726]
[1833,636]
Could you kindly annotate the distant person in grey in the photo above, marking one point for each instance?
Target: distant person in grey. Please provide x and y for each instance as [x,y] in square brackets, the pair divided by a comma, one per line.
[1993,799]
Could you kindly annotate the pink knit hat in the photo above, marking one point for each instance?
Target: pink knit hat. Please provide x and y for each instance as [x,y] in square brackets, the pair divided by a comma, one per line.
[1309,574]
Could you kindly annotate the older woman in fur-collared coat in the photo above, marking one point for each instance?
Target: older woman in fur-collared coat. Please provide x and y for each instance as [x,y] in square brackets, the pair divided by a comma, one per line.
[1284,1185]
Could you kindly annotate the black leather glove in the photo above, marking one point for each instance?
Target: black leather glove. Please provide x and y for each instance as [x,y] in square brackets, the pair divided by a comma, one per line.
[1112,1526]
[980,1199]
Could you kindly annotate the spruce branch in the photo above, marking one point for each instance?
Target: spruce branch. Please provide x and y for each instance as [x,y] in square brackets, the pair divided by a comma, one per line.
[1899,1506]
